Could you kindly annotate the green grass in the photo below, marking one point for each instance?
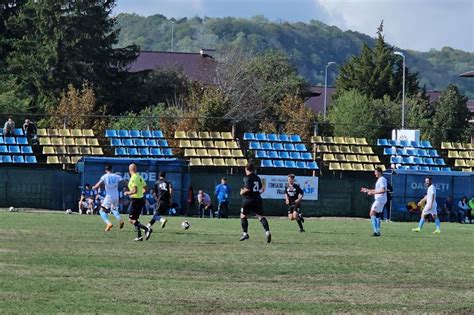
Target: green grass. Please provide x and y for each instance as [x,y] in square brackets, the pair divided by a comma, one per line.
[57,263]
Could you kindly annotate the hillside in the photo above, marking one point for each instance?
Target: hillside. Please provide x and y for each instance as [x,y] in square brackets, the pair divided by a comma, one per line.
[310,45]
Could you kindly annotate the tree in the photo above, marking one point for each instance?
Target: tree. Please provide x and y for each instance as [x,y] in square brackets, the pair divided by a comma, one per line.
[297,117]
[420,113]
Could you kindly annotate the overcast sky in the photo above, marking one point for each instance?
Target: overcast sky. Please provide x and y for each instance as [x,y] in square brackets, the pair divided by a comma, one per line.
[410,24]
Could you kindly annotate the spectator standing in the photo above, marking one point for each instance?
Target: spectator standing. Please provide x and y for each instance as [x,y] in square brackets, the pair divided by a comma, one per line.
[29,129]
[8,128]
[204,203]
[223,196]
[463,207]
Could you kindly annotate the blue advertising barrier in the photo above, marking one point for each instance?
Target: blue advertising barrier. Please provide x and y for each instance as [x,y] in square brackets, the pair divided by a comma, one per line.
[92,168]
[409,186]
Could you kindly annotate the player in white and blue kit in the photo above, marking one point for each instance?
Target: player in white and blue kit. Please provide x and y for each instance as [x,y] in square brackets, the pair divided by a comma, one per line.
[431,207]
[111,201]
[380,196]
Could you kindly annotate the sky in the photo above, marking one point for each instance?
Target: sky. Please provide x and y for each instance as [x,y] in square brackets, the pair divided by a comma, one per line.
[409,24]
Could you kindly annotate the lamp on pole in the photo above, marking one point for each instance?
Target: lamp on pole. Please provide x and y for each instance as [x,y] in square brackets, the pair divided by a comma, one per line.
[399,53]
[326,86]
[172,36]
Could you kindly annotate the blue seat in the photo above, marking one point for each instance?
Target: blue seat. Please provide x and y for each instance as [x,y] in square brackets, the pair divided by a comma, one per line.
[162,143]
[18,159]
[167,152]
[132,151]
[22,141]
[144,151]
[295,155]
[135,134]
[426,144]
[446,169]
[307,156]
[413,168]
[429,161]
[14,149]
[254,145]
[278,163]
[284,155]
[402,151]
[300,147]
[151,143]
[31,159]
[278,146]
[289,147]
[418,160]
[115,142]
[301,164]
[3,149]
[158,134]
[26,149]
[412,152]
[139,142]
[284,138]
[7,159]
[440,162]
[128,142]
[267,146]
[121,152]
[266,163]
[273,155]
[1,139]
[403,167]
[18,132]
[313,165]
[260,137]
[260,154]
[404,143]
[155,152]
[406,160]
[435,168]
[146,134]
[389,151]
[290,164]
[110,133]
[273,137]
[249,136]
[422,153]
[10,140]
[123,133]
[433,153]
[415,144]
[396,159]
[382,143]
[393,143]
[424,168]
[295,138]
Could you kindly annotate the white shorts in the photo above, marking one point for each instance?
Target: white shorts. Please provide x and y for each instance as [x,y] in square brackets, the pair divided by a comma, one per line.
[377,206]
[426,211]
[110,203]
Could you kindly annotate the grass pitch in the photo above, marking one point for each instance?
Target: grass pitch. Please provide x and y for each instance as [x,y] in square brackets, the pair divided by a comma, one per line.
[58,263]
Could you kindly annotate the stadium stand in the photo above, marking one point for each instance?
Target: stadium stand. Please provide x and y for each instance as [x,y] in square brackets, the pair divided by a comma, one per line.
[346,153]
[139,143]
[461,153]
[214,148]
[280,151]
[413,155]
[16,149]
[67,146]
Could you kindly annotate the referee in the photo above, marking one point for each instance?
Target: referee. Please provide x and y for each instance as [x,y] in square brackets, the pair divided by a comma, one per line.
[136,190]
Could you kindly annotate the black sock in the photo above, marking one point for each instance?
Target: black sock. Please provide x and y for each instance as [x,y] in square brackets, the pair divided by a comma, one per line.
[152,221]
[138,230]
[300,224]
[265,224]
[245,224]
[300,216]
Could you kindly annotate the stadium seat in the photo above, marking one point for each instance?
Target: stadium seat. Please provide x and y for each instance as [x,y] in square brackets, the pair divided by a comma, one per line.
[9,140]
[468,146]
[363,158]
[144,151]
[97,151]
[418,160]
[367,150]
[123,133]
[150,143]
[404,143]
[155,152]
[403,167]
[440,162]
[213,152]
[346,167]
[278,146]
[422,153]
[361,141]
[52,160]
[232,145]
[261,137]
[208,144]
[79,142]
[180,134]
[335,166]
[426,144]
[278,163]
[273,137]
[60,150]
[88,133]
[41,132]
[110,133]
[225,153]
[254,145]
[192,135]
[284,138]
[350,140]
[157,134]
[18,132]
[185,144]
[167,152]
[31,159]
[261,154]
[300,147]
[26,150]
[237,153]
[290,164]
[207,162]
[424,168]
[317,139]
[241,162]
[453,154]
[146,134]
[463,154]
[351,158]
[1,139]
[328,140]
[139,142]
[59,141]
[393,143]
[312,165]
[194,144]
[53,132]
[329,157]
[433,153]
[446,169]
[93,142]
[339,140]
[415,144]
[249,136]
[132,151]
[411,152]
[289,147]
[219,162]
[273,154]
[84,150]
[447,146]
[295,155]
[401,151]
[266,146]
[18,159]
[70,141]
[406,160]
[435,168]
[220,144]
[345,149]
[227,135]
[121,152]
[283,155]
[295,138]
[357,167]
[266,163]
[115,142]
[215,135]
[135,134]
[306,156]
[429,161]
[125,142]
[22,141]
[64,132]
[396,159]
[76,133]
[231,162]
[73,150]
[340,157]
[382,143]
[413,168]
[14,149]
[389,151]
[301,164]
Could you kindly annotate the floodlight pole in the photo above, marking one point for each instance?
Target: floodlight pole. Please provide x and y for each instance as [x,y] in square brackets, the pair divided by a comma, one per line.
[172,36]
[399,53]
[326,87]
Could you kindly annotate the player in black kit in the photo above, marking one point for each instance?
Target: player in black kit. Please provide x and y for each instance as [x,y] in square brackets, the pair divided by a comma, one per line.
[293,196]
[163,192]
[252,202]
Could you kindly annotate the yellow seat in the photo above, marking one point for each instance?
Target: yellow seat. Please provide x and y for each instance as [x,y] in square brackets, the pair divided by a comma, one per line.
[356,149]
[470,163]
[52,159]
[466,146]
[57,141]
[357,167]
[369,167]
[471,154]
[64,160]
[346,167]
[190,152]
[203,135]
[202,152]
[219,162]
[192,135]
[340,157]
[350,140]
[317,139]
[61,150]
[81,142]
[41,132]
[322,148]
[345,149]
[207,162]
[374,159]
[64,132]
[237,154]
[467,169]
[69,141]
[231,162]
[242,162]
[351,158]
[363,158]
[208,144]
[73,150]
[334,149]
[446,145]
[185,144]
[225,153]
[334,166]
[97,151]
[215,135]
[45,141]
[53,132]
[180,135]
[464,154]
[49,150]
[232,145]
[85,150]
[195,162]
[361,141]
[451,154]
[460,163]
[196,144]
[367,150]
[213,152]
[458,146]
[328,140]
[329,157]
[88,133]
[76,133]
[75,159]
[93,142]
[339,140]
[220,144]
[227,136]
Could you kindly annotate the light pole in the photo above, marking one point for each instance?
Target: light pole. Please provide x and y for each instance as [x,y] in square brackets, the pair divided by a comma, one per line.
[172,36]
[326,87]
[399,53]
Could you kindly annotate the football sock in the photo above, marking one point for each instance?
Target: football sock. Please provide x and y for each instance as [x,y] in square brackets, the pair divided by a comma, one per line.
[245,224]
[117,215]
[265,224]
[155,218]
[300,224]
[437,223]
[104,216]
[378,224]
[137,229]
[421,223]
[373,220]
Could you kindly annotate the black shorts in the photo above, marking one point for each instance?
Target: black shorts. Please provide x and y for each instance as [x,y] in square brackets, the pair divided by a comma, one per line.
[252,205]
[293,208]
[137,206]
[163,207]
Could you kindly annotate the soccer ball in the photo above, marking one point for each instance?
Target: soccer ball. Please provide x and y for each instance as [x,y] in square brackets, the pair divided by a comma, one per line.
[12,209]
[89,211]
[185,225]
[68,211]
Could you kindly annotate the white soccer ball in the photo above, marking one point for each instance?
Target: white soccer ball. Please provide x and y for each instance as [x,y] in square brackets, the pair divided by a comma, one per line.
[68,211]
[12,209]
[89,211]
[185,225]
